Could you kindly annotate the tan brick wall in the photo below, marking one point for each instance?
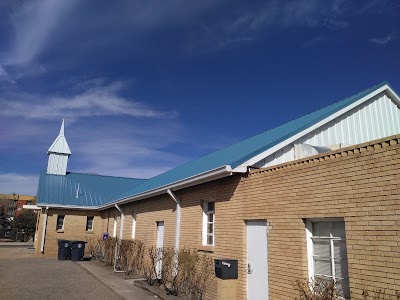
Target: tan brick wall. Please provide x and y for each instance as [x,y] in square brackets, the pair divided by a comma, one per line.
[359,184]
[148,213]
[74,229]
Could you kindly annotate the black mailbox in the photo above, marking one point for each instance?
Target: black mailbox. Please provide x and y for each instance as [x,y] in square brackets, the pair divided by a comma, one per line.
[226,268]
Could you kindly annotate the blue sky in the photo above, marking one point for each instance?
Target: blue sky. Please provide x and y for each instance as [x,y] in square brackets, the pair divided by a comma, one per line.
[148,85]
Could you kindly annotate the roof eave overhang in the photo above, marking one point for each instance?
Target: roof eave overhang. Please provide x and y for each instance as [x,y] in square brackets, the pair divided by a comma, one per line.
[207,176]
[218,173]
[385,88]
[74,207]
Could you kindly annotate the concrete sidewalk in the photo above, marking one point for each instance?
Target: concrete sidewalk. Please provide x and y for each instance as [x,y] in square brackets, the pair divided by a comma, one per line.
[16,250]
[124,288]
[16,244]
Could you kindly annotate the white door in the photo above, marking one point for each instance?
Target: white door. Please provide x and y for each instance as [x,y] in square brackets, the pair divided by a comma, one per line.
[257,260]
[160,243]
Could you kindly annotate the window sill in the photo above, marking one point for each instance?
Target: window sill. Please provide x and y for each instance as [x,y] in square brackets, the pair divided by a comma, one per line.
[206,248]
[60,231]
[89,231]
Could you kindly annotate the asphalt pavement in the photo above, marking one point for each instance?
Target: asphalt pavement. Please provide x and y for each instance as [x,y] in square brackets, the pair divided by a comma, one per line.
[23,276]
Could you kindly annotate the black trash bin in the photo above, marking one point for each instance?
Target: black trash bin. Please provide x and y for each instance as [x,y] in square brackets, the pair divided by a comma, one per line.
[64,250]
[77,250]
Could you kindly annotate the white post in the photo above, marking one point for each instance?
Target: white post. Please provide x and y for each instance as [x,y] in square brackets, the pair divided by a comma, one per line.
[121,226]
[177,229]
[120,237]
[44,230]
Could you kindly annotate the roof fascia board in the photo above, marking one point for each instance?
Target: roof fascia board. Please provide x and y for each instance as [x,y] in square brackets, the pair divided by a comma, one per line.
[242,167]
[74,207]
[217,173]
[394,97]
[30,206]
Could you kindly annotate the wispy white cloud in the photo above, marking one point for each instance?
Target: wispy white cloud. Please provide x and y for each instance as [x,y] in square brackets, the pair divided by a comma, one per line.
[383,41]
[113,148]
[101,100]
[4,76]
[34,23]
[257,22]
[18,183]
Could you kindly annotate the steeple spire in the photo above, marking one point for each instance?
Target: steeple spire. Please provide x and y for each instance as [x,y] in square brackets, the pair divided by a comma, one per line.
[58,154]
[62,129]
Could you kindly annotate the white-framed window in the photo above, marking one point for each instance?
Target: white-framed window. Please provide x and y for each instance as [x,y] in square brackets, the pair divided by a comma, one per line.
[115,226]
[89,223]
[208,223]
[60,222]
[327,253]
[133,225]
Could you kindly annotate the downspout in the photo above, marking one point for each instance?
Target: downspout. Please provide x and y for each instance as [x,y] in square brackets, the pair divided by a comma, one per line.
[177,230]
[44,230]
[121,226]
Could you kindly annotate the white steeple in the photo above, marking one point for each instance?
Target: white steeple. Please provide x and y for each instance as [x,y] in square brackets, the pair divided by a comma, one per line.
[58,154]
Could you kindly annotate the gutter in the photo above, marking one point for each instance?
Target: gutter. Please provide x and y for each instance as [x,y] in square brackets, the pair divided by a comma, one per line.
[213,174]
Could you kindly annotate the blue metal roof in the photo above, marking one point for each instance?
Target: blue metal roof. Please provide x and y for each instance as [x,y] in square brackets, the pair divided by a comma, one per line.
[236,154]
[100,190]
[82,189]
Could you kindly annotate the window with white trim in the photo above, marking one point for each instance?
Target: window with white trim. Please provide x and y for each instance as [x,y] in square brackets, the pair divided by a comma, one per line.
[327,253]
[133,225]
[208,223]
[89,223]
[60,222]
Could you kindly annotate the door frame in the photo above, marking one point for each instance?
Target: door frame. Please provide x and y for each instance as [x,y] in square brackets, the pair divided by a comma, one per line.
[264,221]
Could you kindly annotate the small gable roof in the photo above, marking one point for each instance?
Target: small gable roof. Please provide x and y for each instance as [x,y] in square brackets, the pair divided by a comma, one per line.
[84,190]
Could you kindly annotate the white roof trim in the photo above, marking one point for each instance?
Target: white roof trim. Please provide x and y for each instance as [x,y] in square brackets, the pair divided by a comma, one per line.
[266,153]
[29,206]
[75,207]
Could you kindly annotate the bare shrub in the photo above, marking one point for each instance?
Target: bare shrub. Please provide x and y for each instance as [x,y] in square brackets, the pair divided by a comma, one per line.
[153,257]
[317,289]
[166,275]
[108,246]
[136,256]
[91,245]
[187,273]
[131,254]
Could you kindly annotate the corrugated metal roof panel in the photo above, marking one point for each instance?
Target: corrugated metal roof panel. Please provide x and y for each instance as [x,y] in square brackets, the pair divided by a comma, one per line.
[82,189]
